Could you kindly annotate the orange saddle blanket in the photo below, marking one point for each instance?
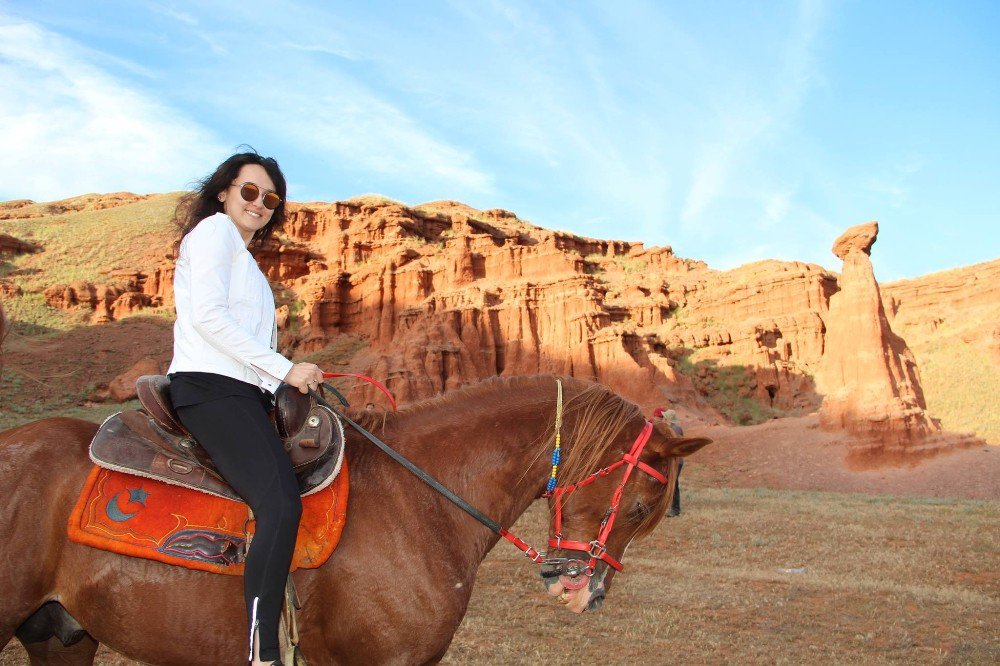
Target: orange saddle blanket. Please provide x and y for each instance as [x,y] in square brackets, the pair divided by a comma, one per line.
[133,515]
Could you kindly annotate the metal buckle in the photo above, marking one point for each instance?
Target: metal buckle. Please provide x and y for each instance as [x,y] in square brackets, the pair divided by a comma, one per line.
[597,549]
[179,466]
[564,566]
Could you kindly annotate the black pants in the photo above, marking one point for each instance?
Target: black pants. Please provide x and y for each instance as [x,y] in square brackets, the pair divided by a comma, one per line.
[242,442]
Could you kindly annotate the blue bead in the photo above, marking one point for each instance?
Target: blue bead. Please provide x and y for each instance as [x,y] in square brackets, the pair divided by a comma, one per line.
[551,485]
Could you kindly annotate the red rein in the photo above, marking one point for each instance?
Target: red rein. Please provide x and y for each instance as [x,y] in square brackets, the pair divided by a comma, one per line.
[376,384]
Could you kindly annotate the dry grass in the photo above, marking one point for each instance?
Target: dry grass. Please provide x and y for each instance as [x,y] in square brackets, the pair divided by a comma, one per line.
[886,581]
[961,383]
[883,580]
[83,246]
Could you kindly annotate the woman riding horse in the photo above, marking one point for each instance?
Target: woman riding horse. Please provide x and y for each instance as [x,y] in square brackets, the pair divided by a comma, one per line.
[385,595]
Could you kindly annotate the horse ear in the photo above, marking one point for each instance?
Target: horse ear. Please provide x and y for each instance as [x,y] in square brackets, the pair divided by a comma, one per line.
[679,446]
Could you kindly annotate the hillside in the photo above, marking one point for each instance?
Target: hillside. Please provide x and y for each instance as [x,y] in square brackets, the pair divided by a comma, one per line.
[436,296]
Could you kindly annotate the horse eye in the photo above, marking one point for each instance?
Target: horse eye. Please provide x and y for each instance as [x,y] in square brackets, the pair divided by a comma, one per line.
[640,512]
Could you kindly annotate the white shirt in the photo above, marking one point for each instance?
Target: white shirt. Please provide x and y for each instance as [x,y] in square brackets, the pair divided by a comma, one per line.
[225,309]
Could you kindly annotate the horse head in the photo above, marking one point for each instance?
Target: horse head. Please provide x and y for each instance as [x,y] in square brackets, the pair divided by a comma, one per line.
[617,484]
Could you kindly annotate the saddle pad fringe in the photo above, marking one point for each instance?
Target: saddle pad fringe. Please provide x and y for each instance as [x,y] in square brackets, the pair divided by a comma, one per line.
[151,519]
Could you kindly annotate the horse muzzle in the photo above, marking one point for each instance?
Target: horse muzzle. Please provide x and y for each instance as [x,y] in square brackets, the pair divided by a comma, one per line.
[576,586]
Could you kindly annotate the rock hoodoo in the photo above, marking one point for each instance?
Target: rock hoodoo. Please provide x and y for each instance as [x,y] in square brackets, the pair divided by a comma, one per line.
[867,373]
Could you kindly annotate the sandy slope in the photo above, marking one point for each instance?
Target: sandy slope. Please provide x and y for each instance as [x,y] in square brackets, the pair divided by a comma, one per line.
[794,453]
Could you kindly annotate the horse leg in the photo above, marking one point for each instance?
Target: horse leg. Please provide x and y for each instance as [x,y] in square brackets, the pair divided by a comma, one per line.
[53,653]
[51,636]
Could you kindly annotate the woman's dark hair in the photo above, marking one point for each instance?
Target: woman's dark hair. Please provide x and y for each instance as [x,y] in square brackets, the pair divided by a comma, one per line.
[204,200]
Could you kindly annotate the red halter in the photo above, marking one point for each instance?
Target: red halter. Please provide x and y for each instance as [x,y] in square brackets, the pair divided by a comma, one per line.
[597,548]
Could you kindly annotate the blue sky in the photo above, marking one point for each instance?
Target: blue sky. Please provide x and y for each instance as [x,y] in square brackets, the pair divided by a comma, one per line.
[732,131]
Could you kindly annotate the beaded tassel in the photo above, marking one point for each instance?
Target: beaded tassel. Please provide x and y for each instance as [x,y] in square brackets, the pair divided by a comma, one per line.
[557,451]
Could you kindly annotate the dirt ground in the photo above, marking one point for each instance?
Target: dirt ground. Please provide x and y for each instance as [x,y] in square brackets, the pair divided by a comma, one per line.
[794,454]
[785,553]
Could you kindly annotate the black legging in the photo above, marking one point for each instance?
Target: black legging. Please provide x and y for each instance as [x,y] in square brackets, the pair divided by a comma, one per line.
[242,442]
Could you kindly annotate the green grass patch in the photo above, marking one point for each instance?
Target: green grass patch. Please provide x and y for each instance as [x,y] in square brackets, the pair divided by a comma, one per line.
[961,385]
[725,387]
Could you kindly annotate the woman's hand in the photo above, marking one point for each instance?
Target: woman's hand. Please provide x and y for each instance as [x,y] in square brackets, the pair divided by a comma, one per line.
[304,376]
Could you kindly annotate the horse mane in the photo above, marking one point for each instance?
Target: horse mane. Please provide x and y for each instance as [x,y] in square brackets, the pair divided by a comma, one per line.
[597,416]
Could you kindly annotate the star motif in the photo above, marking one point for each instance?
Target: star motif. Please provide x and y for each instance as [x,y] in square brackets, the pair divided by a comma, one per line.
[137,495]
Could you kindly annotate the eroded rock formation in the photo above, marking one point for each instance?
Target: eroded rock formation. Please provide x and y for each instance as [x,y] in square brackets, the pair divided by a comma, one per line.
[434,297]
[965,298]
[868,375]
[128,292]
[447,295]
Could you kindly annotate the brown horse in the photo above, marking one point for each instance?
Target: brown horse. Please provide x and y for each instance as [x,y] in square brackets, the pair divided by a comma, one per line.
[396,588]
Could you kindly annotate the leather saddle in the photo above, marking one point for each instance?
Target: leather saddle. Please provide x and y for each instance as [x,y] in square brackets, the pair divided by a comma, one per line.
[153,443]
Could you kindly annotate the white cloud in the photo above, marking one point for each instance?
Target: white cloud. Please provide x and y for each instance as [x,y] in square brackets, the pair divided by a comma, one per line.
[376,136]
[776,207]
[69,127]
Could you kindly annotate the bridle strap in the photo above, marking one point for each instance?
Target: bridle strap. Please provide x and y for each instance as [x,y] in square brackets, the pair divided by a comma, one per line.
[597,548]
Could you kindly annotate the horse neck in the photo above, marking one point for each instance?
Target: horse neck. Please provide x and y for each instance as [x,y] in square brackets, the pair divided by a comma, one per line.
[483,444]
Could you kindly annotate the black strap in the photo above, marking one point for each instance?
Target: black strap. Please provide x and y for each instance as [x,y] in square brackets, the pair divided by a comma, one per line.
[419,473]
[340,396]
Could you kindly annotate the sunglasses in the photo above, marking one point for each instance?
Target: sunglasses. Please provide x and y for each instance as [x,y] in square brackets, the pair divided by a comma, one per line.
[250,192]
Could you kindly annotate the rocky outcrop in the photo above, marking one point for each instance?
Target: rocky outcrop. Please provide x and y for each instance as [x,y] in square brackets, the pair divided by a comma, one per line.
[122,387]
[960,290]
[965,299]
[446,295]
[767,317]
[127,293]
[868,376]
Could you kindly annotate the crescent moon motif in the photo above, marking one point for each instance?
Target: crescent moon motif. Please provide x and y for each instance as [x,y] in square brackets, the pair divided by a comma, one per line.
[114,513]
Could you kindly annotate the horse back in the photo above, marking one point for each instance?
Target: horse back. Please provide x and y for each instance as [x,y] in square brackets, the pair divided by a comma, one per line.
[44,460]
